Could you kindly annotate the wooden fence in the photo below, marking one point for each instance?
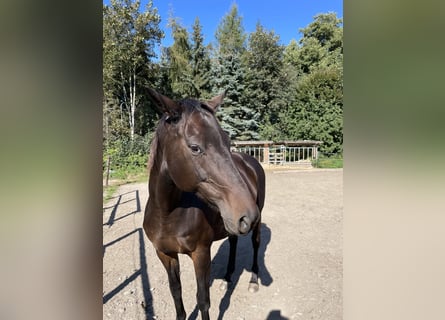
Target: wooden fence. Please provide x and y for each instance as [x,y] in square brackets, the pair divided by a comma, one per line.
[289,152]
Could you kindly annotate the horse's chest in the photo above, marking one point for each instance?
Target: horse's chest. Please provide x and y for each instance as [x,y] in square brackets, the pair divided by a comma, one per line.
[175,244]
[181,231]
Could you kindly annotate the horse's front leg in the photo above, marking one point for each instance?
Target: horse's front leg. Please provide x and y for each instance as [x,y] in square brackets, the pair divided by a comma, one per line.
[233,241]
[256,237]
[171,264]
[201,262]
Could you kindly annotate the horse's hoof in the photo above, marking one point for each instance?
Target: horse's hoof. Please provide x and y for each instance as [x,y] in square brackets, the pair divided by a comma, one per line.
[253,287]
[224,285]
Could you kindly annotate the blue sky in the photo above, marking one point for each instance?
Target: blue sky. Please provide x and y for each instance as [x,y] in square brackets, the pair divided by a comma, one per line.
[285,17]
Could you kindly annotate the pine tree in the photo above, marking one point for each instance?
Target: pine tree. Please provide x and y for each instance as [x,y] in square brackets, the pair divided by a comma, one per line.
[235,118]
[200,63]
[180,56]
[228,75]
[230,34]
[163,83]
[265,82]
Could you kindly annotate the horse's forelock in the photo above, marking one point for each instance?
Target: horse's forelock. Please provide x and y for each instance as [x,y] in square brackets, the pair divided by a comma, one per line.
[196,105]
[192,105]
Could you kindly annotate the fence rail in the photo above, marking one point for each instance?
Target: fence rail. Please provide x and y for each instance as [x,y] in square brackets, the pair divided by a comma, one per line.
[256,152]
[280,155]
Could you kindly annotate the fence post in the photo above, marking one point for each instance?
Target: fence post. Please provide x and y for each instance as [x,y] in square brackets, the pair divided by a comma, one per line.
[108,171]
[283,152]
[266,154]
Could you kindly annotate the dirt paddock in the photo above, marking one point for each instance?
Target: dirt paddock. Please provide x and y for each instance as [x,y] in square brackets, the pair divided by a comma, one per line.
[300,257]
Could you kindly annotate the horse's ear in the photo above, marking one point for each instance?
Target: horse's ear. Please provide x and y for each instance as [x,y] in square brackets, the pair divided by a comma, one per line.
[164,104]
[216,101]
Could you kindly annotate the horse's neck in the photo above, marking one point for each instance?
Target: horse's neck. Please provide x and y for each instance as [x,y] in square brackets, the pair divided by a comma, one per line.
[163,190]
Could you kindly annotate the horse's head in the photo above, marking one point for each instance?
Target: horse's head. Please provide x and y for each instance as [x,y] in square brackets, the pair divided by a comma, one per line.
[196,155]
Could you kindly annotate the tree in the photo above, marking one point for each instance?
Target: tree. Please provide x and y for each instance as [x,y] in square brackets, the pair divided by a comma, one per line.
[200,64]
[265,82]
[230,34]
[315,110]
[188,62]
[321,44]
[163,83]
[327,30]
[129,38]
[236,119]
[228,75]
[179,55]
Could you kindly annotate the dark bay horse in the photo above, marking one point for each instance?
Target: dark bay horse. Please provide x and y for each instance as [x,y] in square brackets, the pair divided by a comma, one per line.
[199,192]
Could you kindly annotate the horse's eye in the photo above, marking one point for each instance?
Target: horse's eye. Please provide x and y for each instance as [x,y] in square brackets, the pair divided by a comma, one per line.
[195,149]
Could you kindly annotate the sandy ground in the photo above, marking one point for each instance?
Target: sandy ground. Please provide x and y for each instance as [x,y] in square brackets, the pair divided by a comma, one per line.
[300,257]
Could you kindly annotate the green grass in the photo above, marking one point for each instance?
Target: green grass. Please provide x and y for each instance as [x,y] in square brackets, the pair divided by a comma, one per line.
[123,176]
[108,192]
[330,163]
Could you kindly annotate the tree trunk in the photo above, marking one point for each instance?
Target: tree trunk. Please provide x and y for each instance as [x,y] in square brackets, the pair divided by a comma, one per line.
[132,103]
[125,103]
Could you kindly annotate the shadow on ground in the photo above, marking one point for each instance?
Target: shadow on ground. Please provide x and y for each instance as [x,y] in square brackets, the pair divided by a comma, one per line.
[244,257]
[142,271]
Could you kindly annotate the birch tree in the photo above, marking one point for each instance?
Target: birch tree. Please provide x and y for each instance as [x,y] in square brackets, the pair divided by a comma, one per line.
[129,38]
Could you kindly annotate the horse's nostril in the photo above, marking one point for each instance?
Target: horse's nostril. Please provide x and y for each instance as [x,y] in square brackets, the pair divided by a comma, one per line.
[244,225]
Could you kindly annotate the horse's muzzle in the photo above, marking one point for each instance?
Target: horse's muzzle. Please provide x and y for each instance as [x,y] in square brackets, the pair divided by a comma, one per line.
[241,223]
[248,221]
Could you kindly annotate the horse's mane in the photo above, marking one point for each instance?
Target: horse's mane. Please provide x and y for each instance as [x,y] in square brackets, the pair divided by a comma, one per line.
[153,151]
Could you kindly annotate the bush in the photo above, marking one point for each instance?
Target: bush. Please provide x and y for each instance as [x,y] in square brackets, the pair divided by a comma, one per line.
[127,158]
[328,161]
